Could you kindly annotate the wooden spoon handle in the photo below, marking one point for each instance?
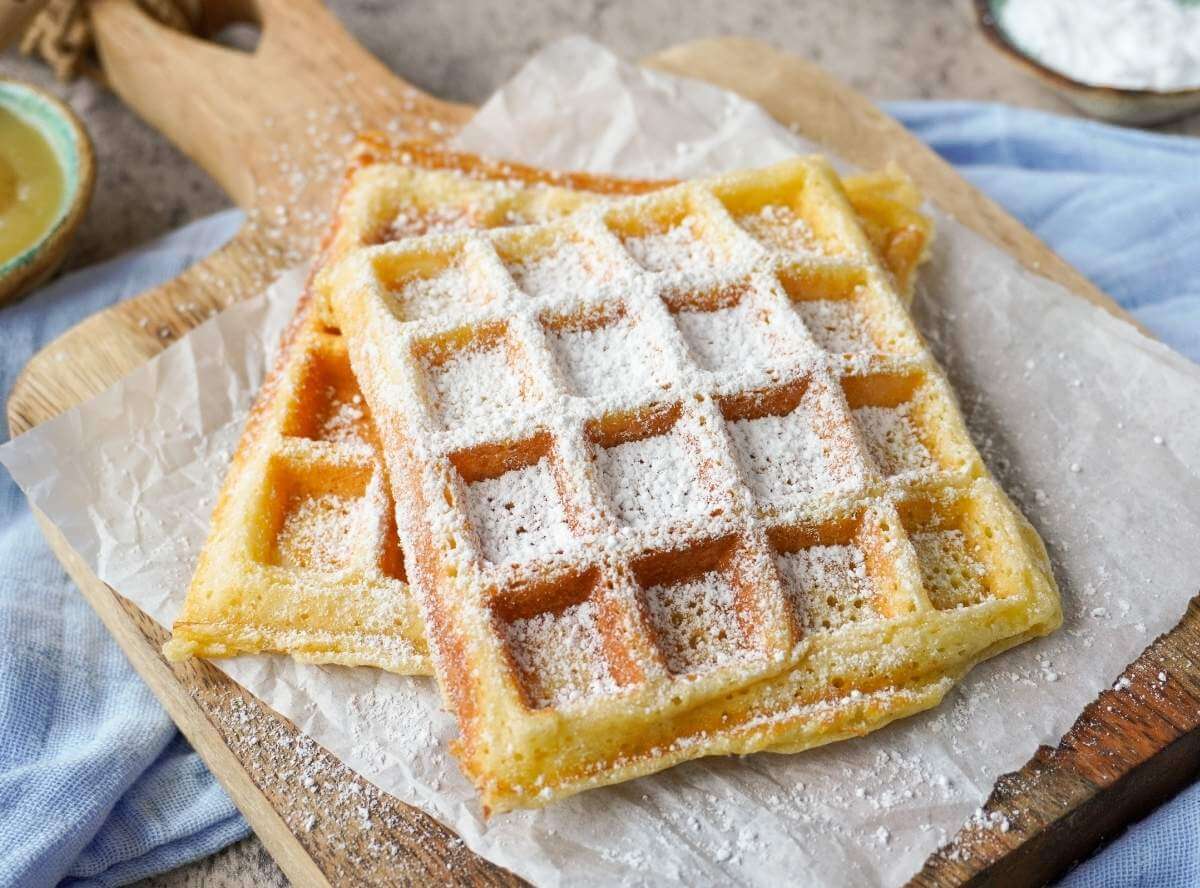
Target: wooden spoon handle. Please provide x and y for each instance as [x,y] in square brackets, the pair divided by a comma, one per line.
[255,121]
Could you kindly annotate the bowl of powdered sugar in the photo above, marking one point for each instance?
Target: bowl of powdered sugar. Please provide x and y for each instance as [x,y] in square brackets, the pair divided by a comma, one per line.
[1128,61]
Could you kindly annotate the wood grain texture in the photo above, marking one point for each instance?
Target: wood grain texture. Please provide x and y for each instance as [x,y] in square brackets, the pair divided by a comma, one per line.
[1120,756]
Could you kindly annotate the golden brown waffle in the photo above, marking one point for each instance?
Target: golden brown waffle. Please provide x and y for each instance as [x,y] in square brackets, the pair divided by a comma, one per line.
[678,477]
[301,557]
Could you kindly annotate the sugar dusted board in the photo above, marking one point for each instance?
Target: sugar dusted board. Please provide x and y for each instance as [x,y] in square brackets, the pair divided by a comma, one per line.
[1127,751]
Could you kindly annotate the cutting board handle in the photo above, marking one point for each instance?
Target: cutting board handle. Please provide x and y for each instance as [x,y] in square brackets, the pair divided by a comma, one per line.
[236,112]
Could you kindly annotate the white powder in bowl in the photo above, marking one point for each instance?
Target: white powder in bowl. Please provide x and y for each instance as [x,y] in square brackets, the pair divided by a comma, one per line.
[1132,44]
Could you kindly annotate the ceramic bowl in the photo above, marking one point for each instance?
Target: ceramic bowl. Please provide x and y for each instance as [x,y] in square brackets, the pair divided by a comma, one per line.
[67,137]
[1129,106]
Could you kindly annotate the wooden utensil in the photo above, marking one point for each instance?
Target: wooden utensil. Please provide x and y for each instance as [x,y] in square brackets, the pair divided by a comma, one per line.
[268,126]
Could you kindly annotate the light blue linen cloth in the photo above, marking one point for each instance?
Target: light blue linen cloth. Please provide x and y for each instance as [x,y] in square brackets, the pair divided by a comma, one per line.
[98,788]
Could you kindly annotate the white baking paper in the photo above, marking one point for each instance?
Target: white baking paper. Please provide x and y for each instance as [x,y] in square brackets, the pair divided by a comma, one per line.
[1089,425]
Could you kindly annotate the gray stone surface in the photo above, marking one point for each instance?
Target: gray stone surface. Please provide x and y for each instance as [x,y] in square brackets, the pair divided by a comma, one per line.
[462,49]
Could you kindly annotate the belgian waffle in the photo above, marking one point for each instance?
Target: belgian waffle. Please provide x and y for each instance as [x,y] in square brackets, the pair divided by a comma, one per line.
[677,476]
[302,557]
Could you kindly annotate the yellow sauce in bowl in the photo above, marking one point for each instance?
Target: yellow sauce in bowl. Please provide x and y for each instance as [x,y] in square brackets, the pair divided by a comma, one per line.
[31,186]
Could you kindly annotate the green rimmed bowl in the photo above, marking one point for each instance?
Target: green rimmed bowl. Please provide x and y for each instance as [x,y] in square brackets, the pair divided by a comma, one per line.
[62,130]
[1129,106]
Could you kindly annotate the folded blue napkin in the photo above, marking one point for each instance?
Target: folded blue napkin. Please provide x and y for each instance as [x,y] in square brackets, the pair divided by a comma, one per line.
[98,788]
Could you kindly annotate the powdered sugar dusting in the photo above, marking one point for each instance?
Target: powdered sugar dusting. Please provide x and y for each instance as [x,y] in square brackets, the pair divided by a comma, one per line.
[346,421]
[473,383]
[519,515]
[653,480]
[783,457]
[779,227]
[609,359]
[838,325]
[952,576]
[682,248]
[828,585]
[666,481]
[731,338]
[561,655]
[567,269]
[412,222]
[892,439]
[318,533]
[426,297]
[696,623]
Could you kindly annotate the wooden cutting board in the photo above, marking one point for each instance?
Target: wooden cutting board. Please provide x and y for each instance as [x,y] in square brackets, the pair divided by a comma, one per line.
[271,128]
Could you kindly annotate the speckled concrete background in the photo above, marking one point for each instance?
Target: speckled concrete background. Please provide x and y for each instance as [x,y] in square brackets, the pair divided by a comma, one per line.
[462,49]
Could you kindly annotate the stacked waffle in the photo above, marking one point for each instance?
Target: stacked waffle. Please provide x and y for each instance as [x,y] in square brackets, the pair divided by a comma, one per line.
[673,471]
